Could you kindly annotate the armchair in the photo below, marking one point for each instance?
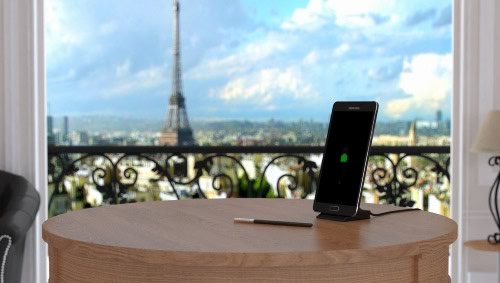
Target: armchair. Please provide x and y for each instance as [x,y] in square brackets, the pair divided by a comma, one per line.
[19,203]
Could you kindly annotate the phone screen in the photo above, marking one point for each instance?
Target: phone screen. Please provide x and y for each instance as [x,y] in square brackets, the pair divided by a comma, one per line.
[344,160]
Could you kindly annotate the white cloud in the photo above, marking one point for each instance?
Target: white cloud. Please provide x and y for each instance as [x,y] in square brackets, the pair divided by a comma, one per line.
[264,86]
[60,32]
[356,21]
[126,83]
[311,58]
[345,9]
[310,18]
[242,60]
[322,55]
[357,13]
[69,30]
[426,78]
[341,50]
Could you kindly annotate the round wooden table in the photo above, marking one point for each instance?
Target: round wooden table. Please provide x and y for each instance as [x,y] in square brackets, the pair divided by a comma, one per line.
[197,240]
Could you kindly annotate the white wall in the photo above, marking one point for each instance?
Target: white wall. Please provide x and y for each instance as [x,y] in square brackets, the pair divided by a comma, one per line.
[22,113]
[476,91]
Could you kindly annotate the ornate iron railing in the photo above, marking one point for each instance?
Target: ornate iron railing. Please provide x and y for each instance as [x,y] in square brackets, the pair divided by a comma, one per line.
[133,173]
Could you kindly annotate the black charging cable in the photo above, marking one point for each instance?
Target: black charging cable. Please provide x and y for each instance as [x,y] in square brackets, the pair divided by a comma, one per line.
[393,211]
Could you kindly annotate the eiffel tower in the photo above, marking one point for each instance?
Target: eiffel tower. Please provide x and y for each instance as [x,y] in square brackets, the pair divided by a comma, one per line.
[177,130]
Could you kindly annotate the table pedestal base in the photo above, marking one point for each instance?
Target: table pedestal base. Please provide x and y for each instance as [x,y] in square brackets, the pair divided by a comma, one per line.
[361,215]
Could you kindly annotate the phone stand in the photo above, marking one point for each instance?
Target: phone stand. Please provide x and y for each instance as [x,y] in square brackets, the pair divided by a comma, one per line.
[361,215]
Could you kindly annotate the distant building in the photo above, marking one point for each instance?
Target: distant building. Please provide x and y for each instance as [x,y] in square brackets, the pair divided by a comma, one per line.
[249,141]
[412,134]
[439,116]
[50,125]
[50,130]
[412,141]
[65,133]
[58,137]
[79,138]
[177,130]
[84,137]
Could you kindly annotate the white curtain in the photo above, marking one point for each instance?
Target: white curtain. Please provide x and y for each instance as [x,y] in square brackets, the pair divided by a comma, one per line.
[22,113]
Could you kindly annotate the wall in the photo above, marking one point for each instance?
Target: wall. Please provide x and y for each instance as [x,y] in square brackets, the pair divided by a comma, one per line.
[477,64]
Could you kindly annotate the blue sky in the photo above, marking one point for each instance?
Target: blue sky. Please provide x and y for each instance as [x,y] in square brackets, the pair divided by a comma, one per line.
[248,59]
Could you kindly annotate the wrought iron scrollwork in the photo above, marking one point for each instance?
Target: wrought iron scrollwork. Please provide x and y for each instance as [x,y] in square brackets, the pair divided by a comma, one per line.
[393,183]
[307,166]
[116,176]
[209,162]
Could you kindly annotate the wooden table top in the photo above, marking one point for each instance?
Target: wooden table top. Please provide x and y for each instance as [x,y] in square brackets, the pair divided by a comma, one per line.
[482,245]
[192,229]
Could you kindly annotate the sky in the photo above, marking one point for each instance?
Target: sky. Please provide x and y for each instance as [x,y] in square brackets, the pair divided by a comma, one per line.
[249,59]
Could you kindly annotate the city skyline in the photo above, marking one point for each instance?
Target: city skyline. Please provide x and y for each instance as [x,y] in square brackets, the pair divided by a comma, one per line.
[125,131]
[248,61]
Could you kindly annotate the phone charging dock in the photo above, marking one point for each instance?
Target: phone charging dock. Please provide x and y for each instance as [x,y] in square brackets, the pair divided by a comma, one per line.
[361,215]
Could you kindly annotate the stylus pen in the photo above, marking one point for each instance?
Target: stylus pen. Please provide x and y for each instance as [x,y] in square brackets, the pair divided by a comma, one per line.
[272,222]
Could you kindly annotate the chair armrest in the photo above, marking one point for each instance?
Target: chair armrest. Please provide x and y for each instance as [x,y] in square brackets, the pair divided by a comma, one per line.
[15,224]
[20,210]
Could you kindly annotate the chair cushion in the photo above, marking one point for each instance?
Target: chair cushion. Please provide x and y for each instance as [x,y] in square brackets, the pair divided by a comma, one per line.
[19,205]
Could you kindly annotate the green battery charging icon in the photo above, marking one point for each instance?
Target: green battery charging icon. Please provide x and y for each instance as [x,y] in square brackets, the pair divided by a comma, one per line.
[343,158]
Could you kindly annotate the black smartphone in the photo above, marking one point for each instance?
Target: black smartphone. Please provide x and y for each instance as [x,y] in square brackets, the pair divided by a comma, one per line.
[345,158]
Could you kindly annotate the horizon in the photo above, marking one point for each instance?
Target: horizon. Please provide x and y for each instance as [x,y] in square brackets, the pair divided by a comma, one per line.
[212,119]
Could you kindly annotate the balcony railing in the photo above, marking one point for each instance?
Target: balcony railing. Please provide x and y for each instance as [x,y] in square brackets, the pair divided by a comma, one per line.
[86,176]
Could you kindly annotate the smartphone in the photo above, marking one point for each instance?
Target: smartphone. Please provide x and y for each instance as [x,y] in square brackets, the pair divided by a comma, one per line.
[345,158]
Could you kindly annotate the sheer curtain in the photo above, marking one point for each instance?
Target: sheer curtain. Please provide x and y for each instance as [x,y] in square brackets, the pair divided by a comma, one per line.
[22,113]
